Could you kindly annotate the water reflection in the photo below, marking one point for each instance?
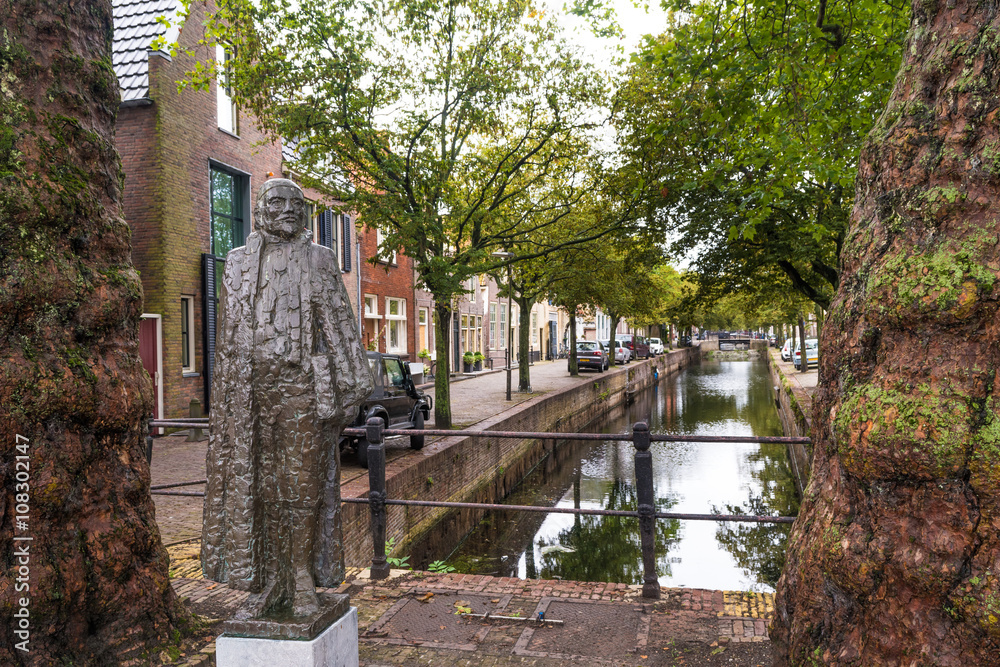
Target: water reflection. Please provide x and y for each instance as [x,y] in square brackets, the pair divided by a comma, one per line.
[720,398]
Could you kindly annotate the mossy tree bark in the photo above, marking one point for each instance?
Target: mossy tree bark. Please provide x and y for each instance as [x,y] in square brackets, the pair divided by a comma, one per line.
[71,382]
[524,304]
[442,370]
[895,556]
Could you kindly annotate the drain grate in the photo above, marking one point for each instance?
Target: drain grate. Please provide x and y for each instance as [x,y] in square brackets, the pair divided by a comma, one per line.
[434,621]
[591,630]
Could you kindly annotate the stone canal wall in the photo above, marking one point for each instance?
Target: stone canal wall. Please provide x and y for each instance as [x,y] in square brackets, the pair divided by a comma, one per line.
[793,404]
[485,469]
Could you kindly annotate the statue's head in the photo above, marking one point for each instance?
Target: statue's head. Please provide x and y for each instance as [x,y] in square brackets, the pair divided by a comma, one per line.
[281,208]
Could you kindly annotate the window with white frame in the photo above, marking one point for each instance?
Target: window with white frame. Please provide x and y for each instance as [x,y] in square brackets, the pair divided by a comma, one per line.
[395,316]
[187,334]
[371,307]
[383,255]
[423,341]
[311,222]
[228,116]
[493,326]
[534,327]
[503,326]
[479,333]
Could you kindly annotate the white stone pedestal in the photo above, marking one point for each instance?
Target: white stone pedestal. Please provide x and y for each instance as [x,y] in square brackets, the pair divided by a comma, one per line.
[337,646]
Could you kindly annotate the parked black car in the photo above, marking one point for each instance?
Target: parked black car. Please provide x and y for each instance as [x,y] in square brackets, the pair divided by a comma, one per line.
[395,399]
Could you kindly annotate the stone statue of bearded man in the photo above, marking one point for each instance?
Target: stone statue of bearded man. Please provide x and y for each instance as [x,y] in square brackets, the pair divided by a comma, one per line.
[290,372]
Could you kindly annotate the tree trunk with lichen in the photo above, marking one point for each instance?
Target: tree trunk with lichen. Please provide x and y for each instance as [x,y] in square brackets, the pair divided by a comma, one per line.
[895,556]
[73,393]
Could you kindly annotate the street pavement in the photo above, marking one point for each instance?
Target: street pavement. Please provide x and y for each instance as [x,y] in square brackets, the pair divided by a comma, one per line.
[411,618]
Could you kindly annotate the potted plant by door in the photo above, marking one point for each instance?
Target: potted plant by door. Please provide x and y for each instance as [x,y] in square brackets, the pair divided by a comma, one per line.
[468,359]
[478,358]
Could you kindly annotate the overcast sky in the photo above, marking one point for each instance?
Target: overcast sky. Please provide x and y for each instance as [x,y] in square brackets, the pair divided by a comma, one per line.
[635,22]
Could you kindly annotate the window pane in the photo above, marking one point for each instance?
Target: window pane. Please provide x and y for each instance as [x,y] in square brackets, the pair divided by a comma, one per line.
[185,335]
[393,307]
[220,269]
[222,235]
[222,192]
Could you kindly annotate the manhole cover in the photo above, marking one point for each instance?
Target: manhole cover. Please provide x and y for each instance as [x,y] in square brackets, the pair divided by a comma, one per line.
[590,630]
[434,622]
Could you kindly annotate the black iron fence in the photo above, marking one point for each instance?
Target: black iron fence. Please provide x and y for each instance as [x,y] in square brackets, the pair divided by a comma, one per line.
[375,433]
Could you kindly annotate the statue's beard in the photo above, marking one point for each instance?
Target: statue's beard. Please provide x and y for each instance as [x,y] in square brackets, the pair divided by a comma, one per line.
[286,230]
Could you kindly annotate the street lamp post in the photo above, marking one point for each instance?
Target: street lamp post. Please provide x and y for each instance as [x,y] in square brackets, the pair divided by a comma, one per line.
[510,314]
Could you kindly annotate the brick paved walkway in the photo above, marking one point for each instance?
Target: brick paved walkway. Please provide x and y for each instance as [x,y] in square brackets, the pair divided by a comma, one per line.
[401,624]
[413,618]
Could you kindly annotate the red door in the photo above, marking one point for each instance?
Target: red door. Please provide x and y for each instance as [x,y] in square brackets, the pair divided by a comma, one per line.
[150,353]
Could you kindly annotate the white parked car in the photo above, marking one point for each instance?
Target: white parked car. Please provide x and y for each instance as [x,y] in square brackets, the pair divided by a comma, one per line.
[623,355]
[655,346]
[786,350]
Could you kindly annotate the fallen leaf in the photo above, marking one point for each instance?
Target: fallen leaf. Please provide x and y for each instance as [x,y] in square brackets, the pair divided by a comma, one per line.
[441,626]
[212,586]
[643,656]
[462,603]
[495,601]
[425,597]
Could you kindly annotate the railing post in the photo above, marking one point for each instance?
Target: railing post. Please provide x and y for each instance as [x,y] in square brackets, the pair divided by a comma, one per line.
[376,495]
[149,441]
[647,508]
[194,411]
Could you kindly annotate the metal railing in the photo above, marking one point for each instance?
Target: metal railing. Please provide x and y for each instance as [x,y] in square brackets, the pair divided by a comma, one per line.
[377,500]
[375,433]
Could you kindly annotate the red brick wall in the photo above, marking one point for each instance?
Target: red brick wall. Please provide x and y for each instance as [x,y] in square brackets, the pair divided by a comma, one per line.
[387,280]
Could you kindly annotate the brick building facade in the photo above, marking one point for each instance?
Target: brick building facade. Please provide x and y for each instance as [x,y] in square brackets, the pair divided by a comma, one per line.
[185,174]
[388,299]
[192,162]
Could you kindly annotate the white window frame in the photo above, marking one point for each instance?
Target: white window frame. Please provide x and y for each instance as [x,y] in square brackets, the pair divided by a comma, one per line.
[313,220]
[395,324]
[382,257]
[493,325]
[227,116]
[503,326]
[371,307]
[187,310]
[423,330]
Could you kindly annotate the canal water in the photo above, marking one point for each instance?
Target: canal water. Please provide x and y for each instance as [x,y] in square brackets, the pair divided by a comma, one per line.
[711,398]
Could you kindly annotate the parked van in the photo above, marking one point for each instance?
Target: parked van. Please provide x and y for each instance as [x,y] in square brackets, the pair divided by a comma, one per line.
[636,344]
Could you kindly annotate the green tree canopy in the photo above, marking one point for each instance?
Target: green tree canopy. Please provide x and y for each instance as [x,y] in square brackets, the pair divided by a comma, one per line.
[742,123]
[428,118]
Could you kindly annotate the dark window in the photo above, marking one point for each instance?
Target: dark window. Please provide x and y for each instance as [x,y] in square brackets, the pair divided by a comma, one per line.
[227,212]
[346,239]
[186,333]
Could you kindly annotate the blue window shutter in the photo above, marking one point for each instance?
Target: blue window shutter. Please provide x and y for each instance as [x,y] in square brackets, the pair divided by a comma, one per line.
[346,236]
